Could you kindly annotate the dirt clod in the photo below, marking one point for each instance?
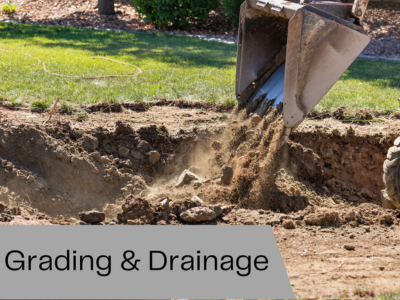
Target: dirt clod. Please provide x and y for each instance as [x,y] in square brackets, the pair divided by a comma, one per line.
[92,217]
[322,217]
[135,208]
[349,247]
[227,174]
[216,145]
[289,224]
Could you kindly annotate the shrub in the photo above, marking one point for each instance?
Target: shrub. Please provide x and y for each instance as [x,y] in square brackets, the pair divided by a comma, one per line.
[174,13]
[8,8]
[232,9]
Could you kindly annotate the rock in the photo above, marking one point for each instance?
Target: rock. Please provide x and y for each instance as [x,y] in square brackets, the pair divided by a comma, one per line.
[125,164]
[135,208]
[367,229]
[250,133]
[186,178]
[9,165]
[381,268]
[97,157]
[30,178]
[180,206]
[137,155]
[352,236]
[227,175]
[143,146]
[198,215]
[255,119]
[90,142]
[197,184]
[92,216]
[322,217]
[217,209]
[197,201]
[273,221]
[216,145]
[123,151]
[226,209]
[289,224]
[165,204]
[3,163]
[349,247]
[122,128]
[154,157]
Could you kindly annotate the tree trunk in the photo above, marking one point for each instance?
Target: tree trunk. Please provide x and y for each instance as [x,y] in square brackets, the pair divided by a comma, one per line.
[106,7]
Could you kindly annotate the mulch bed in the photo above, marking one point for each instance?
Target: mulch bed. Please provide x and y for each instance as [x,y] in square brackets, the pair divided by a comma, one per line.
[382,24]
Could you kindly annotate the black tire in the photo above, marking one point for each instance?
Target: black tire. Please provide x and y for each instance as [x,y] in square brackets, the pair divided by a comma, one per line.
[391,176]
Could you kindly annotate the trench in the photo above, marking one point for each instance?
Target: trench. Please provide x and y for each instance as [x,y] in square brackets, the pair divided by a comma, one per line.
[60,171]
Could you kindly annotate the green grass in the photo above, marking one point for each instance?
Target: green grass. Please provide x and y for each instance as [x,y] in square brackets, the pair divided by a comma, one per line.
[373,84]
[8,8]
[174,67]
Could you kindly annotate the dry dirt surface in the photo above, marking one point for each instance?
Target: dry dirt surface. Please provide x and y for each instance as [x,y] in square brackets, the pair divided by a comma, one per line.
[382,24]
[178,163]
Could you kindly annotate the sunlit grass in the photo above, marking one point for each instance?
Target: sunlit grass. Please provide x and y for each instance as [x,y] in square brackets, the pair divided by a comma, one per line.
[174,67]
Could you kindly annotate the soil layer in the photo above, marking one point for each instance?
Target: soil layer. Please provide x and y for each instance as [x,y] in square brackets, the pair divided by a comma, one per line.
[174,164]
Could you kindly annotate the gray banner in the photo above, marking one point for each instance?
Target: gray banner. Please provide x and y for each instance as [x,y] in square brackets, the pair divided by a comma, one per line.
[236,262]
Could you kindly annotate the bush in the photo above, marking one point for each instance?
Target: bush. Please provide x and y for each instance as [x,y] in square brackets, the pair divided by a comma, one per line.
[8,8]
[232,9]
[174,13]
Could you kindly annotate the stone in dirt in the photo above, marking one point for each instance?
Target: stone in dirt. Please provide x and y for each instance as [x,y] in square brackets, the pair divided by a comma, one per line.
[289,224]
[227,175]
[217,209]
[123,151]
[322,217]
[154,157]
[216,145]
[90,142]
[92,216]
[197,201]
[135,208]
[349,247]
[180,206]
[198,215]
[186,178]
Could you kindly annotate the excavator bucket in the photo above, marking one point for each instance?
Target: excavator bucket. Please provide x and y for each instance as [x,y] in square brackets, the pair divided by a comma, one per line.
[290,54]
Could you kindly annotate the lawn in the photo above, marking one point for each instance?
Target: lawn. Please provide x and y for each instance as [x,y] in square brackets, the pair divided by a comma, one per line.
[174,67]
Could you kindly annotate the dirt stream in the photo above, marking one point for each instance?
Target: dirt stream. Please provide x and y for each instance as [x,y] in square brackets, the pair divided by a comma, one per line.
[193,165]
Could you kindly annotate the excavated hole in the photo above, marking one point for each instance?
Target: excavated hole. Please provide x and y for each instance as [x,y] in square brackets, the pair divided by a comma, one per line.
[59,171]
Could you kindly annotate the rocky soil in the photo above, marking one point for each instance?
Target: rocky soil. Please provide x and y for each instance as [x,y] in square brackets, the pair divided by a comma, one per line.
[172,163]
[382,24]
